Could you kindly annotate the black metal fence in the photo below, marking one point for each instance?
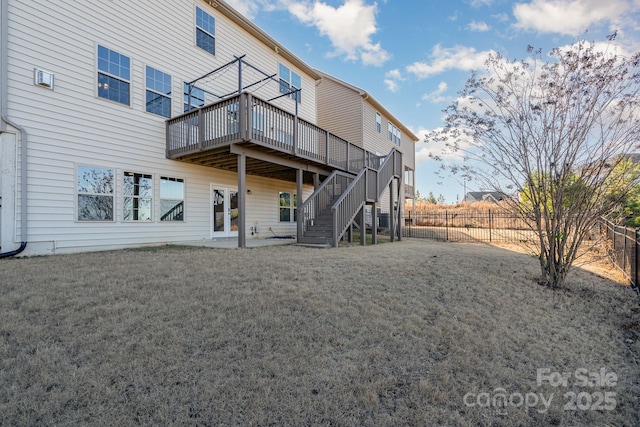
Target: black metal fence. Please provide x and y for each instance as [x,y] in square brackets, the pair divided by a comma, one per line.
[468,226]
[622,245]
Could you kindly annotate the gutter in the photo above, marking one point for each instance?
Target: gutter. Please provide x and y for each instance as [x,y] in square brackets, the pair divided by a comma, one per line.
[4,121]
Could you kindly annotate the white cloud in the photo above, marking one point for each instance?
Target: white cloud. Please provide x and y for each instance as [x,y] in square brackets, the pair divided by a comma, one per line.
[350,28]
[428,151]
[436,96]
[501,17]
[442,147]
[392,85]
[570,17]
[248,8]
[392,79]
[478,3]
[394,74]
[605,48]
[478,26]
[443,59]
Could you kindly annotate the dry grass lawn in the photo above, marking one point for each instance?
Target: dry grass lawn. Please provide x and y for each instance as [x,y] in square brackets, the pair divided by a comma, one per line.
[396,334]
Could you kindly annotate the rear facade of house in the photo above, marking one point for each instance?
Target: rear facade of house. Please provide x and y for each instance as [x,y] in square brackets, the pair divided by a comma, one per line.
[130,123]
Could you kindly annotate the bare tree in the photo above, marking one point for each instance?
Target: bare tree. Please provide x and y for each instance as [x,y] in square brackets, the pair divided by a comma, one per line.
[556,130]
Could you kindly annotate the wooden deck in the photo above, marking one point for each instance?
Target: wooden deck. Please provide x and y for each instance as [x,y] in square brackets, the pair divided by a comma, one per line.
[277,141]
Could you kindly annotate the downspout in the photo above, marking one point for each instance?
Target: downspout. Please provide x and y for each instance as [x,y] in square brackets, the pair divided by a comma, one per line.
[4,121]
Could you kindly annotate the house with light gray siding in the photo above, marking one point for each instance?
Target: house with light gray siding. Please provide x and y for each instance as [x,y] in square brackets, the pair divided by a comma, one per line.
[127,124]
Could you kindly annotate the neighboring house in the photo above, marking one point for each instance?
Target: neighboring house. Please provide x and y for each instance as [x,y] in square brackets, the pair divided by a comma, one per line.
[132,123]
[484,196]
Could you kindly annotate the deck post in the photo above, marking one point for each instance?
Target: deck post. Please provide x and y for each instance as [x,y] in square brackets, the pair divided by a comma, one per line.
[348,166]
[249,116]
[392,216]
[201,126]
[299,219]
[326,146]
[242,200]
[400,206]
[295,135]
[316,181]
[363,226]
[242,112]
[374,224]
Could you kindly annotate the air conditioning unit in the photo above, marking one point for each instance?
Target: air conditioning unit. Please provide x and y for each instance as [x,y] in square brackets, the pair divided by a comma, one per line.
[43,78]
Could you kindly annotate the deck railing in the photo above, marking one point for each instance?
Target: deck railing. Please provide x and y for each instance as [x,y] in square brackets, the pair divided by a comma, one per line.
[209,126]
[409,191]
[246,118]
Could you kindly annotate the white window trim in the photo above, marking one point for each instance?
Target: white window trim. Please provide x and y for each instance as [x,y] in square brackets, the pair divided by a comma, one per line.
[97,70]
[124,196]
[160,198]
[196,27]
[146,88]
[293,207]
[113,194]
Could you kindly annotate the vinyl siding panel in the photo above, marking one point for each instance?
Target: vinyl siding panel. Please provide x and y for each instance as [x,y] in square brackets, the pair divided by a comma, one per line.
[71,125]
[340,111]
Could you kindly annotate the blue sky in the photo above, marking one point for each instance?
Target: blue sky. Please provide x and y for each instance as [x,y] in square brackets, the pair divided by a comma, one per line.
[414,56]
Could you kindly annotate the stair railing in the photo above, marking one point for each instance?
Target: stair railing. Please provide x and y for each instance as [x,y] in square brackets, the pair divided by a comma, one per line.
[345,209]
[348,205]
[321,200]
[388,170]
[175,213]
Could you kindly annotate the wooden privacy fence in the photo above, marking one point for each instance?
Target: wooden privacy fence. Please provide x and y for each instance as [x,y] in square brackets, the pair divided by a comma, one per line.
[622,245]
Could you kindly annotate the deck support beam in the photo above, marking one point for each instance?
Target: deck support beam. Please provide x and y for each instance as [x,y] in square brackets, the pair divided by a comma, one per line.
[392,213]
[242,200]
[272,158]
[374,224]
[400,206]
[363,225]
[299,220]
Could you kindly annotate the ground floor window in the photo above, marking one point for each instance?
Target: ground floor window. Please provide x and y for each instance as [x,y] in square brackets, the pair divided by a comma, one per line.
[138,196]
[171,199]
[95,187]
[288,207]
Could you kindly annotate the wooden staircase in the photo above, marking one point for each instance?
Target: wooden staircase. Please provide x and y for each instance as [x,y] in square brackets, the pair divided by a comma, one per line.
[338,202]
[320,231]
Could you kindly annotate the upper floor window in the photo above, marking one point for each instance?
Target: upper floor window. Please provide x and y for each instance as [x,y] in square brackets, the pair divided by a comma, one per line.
[158,93]
[395,135]
[193,97]
[378,122]
[205,31]
[114,75]
[290,82]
